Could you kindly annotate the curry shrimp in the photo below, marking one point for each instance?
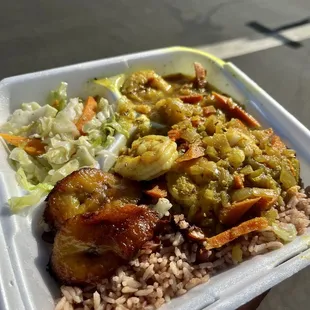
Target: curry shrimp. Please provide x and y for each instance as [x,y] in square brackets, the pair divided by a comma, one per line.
[144,85]
[148,158]
[87,190]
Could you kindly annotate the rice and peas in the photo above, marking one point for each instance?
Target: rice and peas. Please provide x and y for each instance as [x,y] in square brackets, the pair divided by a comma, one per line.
[220,152]
[156,276]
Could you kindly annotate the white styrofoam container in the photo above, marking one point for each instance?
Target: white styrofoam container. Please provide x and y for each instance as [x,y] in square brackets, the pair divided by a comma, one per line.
[24,281]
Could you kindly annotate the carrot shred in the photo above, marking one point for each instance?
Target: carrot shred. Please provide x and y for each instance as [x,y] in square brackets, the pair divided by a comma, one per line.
[32,146]
[208,110]
[89,112]
[232,214]
[229,235]
[194,98]
[55,104]
[157,192]
[194,151]
[196,120]
[174,134]
[238,181]
[277,143]
[227,104]
[265,203]
[239,124]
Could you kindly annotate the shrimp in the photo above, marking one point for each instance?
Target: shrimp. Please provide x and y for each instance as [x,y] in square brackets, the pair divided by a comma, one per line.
[145,85]
[149,157]
[87,190]
[88,247]
[173,110]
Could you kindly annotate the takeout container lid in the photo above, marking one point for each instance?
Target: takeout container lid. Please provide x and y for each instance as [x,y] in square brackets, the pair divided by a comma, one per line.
[24,281]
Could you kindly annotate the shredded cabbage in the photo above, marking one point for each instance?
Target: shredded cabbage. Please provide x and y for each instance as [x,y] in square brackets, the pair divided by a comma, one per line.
[18,203]
[58,97]
[84,157]
[34,170]
[112,125]
[63,125]
[44,127]
[66,149]
[105,110]
[23,121]
[37,192]
[59,152]
[56,175]
[285,231]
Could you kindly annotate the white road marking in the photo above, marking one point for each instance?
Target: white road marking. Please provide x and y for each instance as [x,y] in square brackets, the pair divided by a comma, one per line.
[255,43]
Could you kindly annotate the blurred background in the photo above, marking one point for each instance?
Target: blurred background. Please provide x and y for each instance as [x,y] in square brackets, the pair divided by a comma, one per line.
[268,39]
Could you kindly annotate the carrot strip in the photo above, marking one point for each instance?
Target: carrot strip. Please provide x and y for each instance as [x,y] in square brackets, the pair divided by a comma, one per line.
[174,134]
[196,120]
[229,235]
[227,104]
[32,146]
[194,151]
[277,143]
[238,182]
[239,124]
[194,98]
[208,110]
[232,214]
[55,104]
[89,112]
[157,192]
[265,203]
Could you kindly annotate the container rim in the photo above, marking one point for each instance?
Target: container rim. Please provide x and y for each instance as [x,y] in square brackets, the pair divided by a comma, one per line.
[119,58]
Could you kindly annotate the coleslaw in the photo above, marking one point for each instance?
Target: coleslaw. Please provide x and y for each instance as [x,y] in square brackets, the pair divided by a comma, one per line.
[65,148]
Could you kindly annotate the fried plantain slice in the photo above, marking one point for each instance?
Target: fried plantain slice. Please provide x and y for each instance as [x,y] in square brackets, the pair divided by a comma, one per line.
[90,246]
[87,190]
